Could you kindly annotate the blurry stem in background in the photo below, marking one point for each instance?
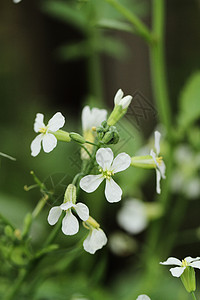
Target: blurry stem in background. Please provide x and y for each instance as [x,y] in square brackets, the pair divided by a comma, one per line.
[193,296]
[140,27]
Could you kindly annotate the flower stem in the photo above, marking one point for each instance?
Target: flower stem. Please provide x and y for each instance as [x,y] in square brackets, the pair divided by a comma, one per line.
[193,296]
[140,27]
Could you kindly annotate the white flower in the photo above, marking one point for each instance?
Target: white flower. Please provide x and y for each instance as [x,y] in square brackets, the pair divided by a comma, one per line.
[46,136]
[133,217]
[182,265]
[160,165]
[123,101]
[70,223]
[95,240]
[92,117]
[16,1]
[108,167]
[143,297]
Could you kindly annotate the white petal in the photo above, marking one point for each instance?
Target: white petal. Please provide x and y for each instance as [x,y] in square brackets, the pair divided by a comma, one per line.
[153,154]
[189,259]
[121,162]
[118,97]
[162,169]
[93,117]
[70,224]
[67,205]
[95,240]
[195,264]
[158,178]
[39,122]
[86,125]
[113,191]
[172,261]
[90,183]
[177,271]
[104,158]
[125,102]
[36,145]
[143,297]
[157,141]
[54,215]
[56,122]
[99,115]
[49,142]
[82,211]
[132,216]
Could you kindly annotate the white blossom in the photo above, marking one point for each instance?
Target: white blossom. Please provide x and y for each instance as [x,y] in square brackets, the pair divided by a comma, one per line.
[92,117]
[143,297]
[182,265]
[95,240]
[107,167]
[16,1]
[46,136]
[123,101]
[70,223]
[133,216]
[160,165]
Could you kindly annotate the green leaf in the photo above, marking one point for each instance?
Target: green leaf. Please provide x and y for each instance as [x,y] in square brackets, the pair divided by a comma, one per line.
[190,101]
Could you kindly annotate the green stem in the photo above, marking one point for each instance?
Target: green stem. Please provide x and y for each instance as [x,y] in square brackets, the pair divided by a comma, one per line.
[193,296]
[16,286]
[40,206]
[157,60]
[140,27]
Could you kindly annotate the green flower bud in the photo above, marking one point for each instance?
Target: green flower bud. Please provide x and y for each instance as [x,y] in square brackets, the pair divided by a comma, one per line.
[77,137]
[70,194]
[188,279]
[62,135]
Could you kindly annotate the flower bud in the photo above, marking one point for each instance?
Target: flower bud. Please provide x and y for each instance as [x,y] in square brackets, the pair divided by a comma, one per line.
[77,137]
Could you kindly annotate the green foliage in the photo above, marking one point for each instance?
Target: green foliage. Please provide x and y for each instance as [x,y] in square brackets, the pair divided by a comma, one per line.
[189,102]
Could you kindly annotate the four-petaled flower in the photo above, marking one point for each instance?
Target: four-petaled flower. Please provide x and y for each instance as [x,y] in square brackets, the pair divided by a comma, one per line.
[70,223]
[123,101]
[160,165]
[182,265]
[46,136]
[108,167]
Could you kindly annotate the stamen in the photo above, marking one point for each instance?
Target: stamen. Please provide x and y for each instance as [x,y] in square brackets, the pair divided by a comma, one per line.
[43,130]
[159,160]
[184,263]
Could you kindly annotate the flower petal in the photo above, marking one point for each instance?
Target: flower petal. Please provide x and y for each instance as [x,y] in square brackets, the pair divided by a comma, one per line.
[39,122]
[54,215]
[158,178]
[157,141]
[93,117]
[36,145]
[113,191]
[125,102]
[118,97]
[67,205]
[104,158]
[90,183]
[195,264]
[172,261]
[177,271]
[95,240]
[143,297]
[70,224]
[162,168]
[82,211]
[189,259]
[121,162]
[56,122]
[49,142]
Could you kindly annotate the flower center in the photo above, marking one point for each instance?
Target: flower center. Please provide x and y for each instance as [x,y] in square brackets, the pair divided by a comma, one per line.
[184,263]
[43,129]
[106,174]
[159,160]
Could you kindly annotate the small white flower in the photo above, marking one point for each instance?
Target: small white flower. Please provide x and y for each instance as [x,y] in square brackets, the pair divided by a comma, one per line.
[123,101]
[108,167]
[92,117]
[95,240]
[70,223]
[160,165]
[182,265]
[16,1]
[46,136]
[133,217]
[143,297]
